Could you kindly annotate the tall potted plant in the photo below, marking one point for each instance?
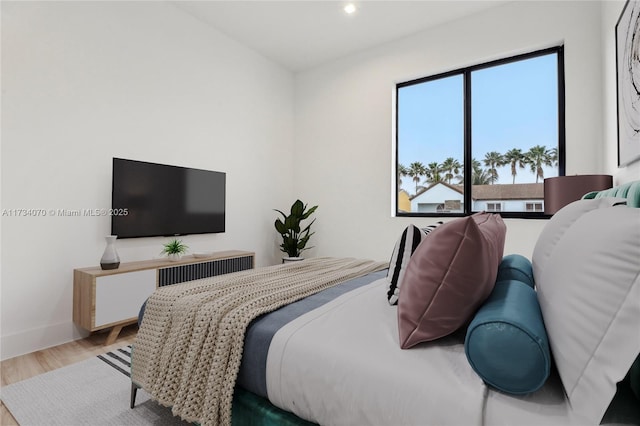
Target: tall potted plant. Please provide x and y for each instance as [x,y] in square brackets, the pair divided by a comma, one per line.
[294,237]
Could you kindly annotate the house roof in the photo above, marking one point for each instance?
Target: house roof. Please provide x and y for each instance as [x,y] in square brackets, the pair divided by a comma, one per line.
[516,191]
[457,188]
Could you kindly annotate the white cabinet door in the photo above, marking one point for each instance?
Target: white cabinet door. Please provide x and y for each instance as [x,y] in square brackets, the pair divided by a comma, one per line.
[120,296]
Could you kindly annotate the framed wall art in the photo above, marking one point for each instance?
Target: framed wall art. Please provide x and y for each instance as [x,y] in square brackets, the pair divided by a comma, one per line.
[628,83]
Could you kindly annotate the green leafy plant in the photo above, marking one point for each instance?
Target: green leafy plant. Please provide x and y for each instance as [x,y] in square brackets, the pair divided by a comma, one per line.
[294,238]
[174,246]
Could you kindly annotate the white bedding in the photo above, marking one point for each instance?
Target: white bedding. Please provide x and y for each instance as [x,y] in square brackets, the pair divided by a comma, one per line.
[325,371]
[341,364]
[547,406]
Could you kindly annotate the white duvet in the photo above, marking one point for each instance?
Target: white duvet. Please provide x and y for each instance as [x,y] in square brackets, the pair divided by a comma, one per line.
[341,364]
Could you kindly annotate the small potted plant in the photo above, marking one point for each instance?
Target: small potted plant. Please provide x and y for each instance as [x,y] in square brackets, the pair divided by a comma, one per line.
[174,249]
[294,239]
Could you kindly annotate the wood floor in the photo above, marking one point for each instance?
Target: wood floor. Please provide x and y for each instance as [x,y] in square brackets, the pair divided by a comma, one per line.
[29,365]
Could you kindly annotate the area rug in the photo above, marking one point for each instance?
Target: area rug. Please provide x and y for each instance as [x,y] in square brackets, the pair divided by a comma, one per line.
[91,392]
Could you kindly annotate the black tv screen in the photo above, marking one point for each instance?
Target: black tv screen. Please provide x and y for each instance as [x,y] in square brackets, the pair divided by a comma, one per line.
[151,200]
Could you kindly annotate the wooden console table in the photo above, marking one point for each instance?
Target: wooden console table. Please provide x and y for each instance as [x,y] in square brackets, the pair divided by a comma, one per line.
[112,298]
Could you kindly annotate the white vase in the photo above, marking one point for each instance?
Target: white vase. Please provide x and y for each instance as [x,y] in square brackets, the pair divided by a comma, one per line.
[110,258]
[292,259]
[174,257]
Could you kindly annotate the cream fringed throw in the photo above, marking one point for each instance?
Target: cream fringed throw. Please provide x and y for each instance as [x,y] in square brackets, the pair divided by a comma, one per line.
[189,347]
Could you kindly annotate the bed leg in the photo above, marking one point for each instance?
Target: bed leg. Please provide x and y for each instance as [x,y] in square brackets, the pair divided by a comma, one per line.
[134,391]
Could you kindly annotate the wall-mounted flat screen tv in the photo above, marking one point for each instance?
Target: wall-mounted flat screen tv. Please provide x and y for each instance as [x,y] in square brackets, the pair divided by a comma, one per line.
[151,200]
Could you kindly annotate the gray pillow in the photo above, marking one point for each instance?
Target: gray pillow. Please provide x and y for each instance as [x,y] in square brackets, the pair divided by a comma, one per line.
[560,222]
[589,293]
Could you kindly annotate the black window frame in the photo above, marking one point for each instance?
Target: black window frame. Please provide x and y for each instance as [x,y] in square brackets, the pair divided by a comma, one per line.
[466,73]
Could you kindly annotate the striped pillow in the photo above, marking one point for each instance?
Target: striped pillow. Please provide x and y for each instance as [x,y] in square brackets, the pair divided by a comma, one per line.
[411,237]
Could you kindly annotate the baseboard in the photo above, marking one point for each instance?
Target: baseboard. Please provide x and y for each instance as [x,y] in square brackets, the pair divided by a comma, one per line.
[36,339]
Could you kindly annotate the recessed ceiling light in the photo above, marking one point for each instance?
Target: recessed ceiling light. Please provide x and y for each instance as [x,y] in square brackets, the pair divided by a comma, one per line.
[350,8]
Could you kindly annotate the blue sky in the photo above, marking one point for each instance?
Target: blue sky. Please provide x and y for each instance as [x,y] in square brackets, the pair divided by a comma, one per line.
[513,106]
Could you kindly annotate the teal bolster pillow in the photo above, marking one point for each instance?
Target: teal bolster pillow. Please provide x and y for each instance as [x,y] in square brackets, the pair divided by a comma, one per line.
[516,267]
[506,342]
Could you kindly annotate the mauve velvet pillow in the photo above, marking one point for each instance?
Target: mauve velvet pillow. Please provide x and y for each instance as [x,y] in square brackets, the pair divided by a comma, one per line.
[448,277]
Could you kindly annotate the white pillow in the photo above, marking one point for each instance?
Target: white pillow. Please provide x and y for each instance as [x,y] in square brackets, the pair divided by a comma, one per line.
[589,294]
[560,222]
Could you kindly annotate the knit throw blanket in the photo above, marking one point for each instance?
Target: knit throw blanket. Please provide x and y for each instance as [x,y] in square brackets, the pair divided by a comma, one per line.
[188,350]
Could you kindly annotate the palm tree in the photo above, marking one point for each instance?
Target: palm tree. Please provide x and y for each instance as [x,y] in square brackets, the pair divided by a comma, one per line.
[402,172]
[416,169]
[553,152]
[452,167]
[537,158]
[516,159]
[433,172]
[493,160]
[479,175]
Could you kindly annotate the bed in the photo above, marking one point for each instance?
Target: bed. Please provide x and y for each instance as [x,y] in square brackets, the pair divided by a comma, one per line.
[332,351]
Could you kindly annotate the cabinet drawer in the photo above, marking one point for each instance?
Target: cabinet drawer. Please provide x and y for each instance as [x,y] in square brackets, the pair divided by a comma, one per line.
[120,296]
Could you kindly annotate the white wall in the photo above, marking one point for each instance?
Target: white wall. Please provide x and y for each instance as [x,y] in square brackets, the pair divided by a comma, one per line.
[83,82]
[344,117]
[611,11]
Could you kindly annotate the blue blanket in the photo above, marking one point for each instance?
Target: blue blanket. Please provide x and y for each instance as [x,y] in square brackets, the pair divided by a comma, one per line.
[252,374]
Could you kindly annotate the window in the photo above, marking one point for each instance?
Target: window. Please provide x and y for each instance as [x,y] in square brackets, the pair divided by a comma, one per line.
[481,138]
[494,207]
[534,207]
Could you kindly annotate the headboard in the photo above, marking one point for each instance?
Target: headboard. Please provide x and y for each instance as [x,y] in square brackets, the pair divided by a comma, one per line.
[630,191]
